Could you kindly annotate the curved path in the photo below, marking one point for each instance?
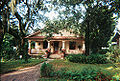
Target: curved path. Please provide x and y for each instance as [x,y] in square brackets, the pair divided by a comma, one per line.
[26,74]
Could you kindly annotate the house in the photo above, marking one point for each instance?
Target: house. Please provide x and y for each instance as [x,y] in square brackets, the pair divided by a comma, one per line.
[65,40]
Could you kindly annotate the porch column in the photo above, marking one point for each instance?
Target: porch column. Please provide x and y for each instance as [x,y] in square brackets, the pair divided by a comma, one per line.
[29,48]
[63,44]
[48,44]
[83,47]
[63,50]
[36,45]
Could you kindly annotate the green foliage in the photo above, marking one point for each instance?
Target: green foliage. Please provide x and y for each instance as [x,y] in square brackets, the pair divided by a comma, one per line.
[60,73]
[87,73]
[46,70]
[116,77]
[7,51]
[98,25]
[53,79]
[114,54]
[96,59]
[103,51]
[77,58]
[76,71]
[91,59]
[33,45]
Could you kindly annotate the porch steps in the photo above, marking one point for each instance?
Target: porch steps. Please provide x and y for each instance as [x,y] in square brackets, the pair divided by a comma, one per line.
[53,56]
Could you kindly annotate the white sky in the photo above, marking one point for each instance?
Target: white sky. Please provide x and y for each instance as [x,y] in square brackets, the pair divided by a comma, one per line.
[52,15]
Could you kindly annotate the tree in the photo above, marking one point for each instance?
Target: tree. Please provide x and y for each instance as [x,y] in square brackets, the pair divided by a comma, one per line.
[97,25]
[16,23]
[99,16]
[7,48]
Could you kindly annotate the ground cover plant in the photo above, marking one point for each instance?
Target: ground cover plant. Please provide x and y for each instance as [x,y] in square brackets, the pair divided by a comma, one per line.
[91,59]
[114,54]
[82,72]
[9,66]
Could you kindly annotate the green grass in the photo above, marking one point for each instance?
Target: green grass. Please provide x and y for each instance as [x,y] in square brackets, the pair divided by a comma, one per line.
[106,68]
[53,79]
[9,66]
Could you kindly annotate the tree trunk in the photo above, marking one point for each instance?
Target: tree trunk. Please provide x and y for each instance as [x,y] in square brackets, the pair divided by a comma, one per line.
[3,27]
[1,34]
[87,40]
[24,50]
[1,39]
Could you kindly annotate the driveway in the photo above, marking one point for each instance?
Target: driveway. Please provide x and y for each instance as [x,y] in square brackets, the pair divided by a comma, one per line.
[26,74]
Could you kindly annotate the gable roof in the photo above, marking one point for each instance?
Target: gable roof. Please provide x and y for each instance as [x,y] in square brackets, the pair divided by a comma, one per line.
[33,34]
[36,35]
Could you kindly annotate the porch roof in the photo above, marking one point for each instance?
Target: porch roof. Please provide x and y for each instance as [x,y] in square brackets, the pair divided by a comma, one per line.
[56,37]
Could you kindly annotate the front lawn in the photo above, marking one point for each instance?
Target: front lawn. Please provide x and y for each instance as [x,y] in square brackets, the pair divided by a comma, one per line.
[9,66]
[77,66]
[76,71]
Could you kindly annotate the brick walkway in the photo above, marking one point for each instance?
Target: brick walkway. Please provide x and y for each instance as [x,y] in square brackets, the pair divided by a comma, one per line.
[26,74]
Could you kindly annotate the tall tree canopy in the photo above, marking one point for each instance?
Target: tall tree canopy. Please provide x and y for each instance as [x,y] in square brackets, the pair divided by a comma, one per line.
[95,21]
[18,17]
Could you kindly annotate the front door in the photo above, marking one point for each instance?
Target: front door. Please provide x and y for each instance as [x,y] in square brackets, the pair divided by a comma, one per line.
[56,46]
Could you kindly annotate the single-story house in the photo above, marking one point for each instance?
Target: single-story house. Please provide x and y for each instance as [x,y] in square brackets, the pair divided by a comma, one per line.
[67,40]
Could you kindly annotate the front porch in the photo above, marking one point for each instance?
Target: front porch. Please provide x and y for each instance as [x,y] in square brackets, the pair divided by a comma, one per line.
[39,47]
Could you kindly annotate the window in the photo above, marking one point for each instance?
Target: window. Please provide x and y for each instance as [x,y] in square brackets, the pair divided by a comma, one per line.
[72,45]
[45,44]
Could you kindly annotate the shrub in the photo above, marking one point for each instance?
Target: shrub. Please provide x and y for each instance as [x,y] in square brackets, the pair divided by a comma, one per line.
[60,73]
[76,58]
[91,59]
[46,70]
[97,59]
[103,51]
[116,77]
[114,54]
[86,74]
